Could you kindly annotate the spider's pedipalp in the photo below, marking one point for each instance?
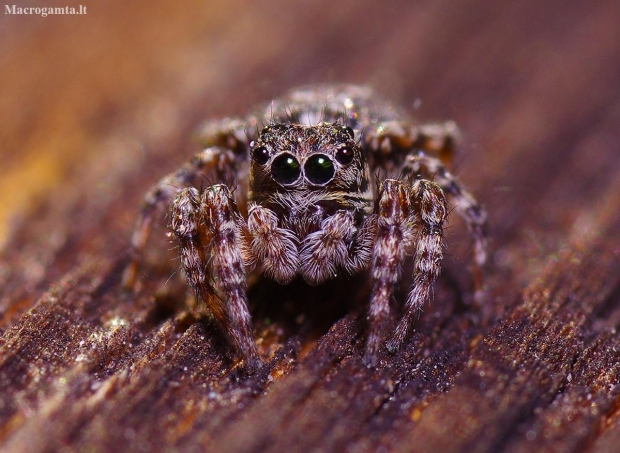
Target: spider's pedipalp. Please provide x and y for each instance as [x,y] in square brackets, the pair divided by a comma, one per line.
[325,251]
[272,247]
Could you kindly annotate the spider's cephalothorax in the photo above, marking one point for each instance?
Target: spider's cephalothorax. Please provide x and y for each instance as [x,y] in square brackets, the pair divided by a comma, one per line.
[303,176]
[303,197]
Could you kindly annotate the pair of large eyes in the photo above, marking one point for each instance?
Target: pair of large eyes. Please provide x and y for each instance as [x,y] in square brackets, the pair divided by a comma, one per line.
[318,169]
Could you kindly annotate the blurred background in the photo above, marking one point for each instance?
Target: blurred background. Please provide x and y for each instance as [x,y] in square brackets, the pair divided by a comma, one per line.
[95,108]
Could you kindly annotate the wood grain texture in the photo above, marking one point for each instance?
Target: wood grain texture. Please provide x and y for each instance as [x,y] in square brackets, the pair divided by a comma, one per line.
[96,108]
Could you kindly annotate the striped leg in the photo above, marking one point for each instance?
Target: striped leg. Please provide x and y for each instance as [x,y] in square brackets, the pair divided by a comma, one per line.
[206,225]
[423,166]
[422,152]
[390,142]
[408,217]
[429,212]
[212,164]
[394,238]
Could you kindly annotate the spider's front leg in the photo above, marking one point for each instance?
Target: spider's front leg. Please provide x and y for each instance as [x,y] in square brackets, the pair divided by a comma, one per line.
[207,224]
[422,152]
[223,160]
[408,217]
[421,165]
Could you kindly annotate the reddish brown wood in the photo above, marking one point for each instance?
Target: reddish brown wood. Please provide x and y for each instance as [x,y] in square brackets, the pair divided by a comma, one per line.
[99,107]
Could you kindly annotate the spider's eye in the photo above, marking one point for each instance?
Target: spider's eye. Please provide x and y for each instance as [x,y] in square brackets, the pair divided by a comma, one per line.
[319,169]
[260,155]
[285,169]
[344,155]
[349,131]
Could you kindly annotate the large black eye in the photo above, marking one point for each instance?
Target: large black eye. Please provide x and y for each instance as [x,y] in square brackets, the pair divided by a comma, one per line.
[285,169]
[319,169]
[344,155]
[349,131]
[260,155]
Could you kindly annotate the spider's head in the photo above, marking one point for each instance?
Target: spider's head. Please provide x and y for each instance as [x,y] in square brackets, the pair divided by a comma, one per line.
[296,159]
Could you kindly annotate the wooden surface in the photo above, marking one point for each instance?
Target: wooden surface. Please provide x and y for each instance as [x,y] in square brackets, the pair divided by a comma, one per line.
[94,109]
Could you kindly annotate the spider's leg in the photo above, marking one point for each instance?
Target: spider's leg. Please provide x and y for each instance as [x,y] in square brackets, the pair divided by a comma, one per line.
[438,139]
[421,152]
[212,164]
[395,234]
[422,166]
[428,214]
[206,225]
[389,142]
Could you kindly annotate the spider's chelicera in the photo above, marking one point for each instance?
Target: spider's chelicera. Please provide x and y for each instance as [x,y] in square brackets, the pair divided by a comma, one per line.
[296,192]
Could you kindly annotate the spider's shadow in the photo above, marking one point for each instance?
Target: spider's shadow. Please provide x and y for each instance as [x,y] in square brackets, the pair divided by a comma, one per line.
[298,309]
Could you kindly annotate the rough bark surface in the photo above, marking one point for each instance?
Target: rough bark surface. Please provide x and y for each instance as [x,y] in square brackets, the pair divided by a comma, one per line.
[96,108]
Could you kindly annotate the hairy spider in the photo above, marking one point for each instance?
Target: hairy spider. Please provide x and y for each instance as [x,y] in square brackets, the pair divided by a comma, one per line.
[327,180]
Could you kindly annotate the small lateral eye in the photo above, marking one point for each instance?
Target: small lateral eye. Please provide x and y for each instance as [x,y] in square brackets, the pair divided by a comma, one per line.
[349,131]
[344,155]
[260,155]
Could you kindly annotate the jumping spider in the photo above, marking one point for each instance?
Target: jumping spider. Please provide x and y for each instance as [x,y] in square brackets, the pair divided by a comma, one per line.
[327,180]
